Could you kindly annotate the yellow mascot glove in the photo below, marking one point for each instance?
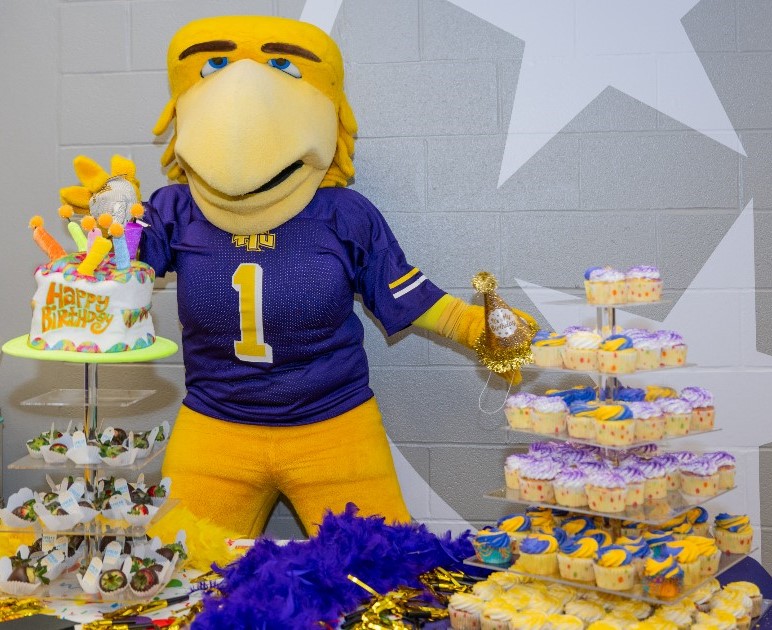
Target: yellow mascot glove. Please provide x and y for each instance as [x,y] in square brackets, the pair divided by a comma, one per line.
[453,318]
[93,177]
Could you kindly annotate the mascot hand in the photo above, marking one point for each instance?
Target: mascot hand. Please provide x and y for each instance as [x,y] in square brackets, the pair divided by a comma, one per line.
[453,318]
[93,178]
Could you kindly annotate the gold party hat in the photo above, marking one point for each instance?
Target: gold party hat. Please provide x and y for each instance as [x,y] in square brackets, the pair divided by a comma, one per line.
[505,342]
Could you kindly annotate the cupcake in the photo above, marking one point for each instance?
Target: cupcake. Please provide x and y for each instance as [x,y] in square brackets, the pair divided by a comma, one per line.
[529,620]
[547,349]
[465,611]
[601,536]
[630,394]
[633,529]
[581,420]
[569,487]
[638,548]
[656,539]
[538,555]
[497,614]
[751,590]
[576,525]
[699,478]
[682,531]
[655,484]
[492,546]
[648,351]
[672,465]
[720,619]
[655,392]
[644,284]
[606,491]
[517,409]
[698,517]
[614,568]
[549,415]
[662,579]
[726,468]
[734,607]
[703,411]
[581,351]
[512,466]
[673,352]
[734,533]
[616,355]
[688,556]
[576,558]
[578,393]
[536,477]
[605,285]
[635,482]
[564,622]
[586,611]
[614,425]
[517,526]
[678,416]
[542,519]
[710,555]
[649,421]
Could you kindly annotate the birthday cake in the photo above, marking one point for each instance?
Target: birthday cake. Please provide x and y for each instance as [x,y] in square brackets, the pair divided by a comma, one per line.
[97,299]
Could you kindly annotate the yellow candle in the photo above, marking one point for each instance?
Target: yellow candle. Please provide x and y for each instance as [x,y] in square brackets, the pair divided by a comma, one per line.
[96,255]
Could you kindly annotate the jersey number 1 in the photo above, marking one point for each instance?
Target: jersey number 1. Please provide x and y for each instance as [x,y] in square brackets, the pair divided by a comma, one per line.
[248,281]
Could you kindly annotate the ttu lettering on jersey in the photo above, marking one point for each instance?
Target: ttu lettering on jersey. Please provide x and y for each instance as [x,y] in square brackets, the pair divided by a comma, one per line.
[268,325]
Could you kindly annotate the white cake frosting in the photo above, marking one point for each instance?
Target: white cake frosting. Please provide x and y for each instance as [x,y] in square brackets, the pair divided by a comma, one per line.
[106,312]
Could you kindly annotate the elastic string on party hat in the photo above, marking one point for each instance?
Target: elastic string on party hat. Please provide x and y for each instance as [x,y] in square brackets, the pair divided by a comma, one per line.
[499,408]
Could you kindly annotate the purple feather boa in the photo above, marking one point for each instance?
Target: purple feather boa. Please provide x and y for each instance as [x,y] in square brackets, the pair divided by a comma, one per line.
[304,582]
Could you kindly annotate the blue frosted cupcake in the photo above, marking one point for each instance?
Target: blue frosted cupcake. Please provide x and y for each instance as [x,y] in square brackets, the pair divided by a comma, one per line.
[492,546]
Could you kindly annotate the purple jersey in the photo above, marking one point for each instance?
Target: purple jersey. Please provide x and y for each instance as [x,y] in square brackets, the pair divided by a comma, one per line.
[268,327]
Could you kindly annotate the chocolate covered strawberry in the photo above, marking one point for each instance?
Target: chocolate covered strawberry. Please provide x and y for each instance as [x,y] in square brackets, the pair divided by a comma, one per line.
[144,579]
[59,448]
[111,581]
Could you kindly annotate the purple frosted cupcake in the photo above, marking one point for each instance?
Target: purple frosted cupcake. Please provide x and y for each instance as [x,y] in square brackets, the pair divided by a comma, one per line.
[655,485]
[549,415]
[727,465]
[518,410]
[635,481]
[678,416]
[536,477]
[672,468]
[569,486]
[649,421]
[512,466]
[699,478]
[673,348]
[606,491]
[648,348]
[605,285]
[644,284]
[703,411]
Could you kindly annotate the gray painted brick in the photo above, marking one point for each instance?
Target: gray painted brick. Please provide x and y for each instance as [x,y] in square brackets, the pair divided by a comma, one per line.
[449,32]
[754,170]
[379,32]
[135,98]
[766,547]
[391,172]
[290,8]
[153,24]
[417,496]
[765,483]
[673,170]
[712,26]
[462,475]
[449,414]
[94,37]
[463,174]
[762,231]
[556,260]
[753,19]
[417,99]
[449,248]
[283,523]
[763,323]
[612,110]
[686,240]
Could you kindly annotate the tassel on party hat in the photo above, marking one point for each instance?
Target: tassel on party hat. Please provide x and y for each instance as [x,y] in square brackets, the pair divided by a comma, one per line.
[505,342]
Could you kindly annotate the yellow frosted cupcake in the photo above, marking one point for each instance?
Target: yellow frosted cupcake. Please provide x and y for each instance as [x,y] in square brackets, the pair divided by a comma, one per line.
[586,610]
[734,533]
[688,556]
[492,546]
[607,624]
[581,351]
[517,526]
[698,517]
[547,349]
[517,409]
[564,622]
[614,425]
[720,619]
[581,420]
[735,608]
[662,579]
[538,555]
[605,285]
[616,355]
[751,590]
[614,568]
[530,620]
[465,611]
[549,415]
[576,558]
[497,614]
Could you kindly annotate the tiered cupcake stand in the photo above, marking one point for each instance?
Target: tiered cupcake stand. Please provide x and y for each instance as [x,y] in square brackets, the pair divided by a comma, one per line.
[654,513]
[90,398]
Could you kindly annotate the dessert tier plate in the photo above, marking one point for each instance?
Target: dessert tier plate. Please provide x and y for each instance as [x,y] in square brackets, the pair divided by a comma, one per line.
[727,562]
[79,398]
[596,373]
[581,298]
[33,463]
[100,526]
[564,437]
[650,513]
[161,349]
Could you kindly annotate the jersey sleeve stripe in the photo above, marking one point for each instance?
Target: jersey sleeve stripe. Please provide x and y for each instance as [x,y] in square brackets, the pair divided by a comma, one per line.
[405,278]
[409,287]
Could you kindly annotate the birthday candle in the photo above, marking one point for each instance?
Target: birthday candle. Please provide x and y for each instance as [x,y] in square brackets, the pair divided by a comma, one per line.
[133,233]
[122,258]
[45,241]
[88,223]
[66,212]
[96,254]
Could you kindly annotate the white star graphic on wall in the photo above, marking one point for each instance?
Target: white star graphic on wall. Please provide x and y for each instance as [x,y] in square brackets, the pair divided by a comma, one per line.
[575,49]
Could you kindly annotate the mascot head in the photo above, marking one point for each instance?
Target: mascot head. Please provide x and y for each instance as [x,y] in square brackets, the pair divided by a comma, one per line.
[260,118]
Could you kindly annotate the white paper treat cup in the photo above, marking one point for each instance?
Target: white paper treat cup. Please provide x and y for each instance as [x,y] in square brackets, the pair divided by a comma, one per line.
[84,455]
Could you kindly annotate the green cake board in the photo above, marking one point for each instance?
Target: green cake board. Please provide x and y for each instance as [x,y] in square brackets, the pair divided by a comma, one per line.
[161,349]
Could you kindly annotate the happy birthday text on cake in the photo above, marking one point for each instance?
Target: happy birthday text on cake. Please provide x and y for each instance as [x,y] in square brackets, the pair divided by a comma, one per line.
[75,308]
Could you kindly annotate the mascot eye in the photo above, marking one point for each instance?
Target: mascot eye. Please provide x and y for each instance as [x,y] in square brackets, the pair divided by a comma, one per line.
[213,65]
[285,65]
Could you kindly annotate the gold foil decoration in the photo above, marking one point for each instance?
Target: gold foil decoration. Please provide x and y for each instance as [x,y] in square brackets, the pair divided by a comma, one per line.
[505,342]
[16,608]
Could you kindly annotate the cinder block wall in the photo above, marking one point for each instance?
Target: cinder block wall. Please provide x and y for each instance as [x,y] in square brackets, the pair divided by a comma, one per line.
[433,88]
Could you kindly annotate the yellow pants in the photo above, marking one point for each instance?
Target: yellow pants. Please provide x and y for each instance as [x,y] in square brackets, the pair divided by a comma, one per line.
[234,473]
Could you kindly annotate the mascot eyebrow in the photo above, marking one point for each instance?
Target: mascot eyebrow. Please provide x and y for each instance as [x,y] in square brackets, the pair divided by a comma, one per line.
[224,45]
